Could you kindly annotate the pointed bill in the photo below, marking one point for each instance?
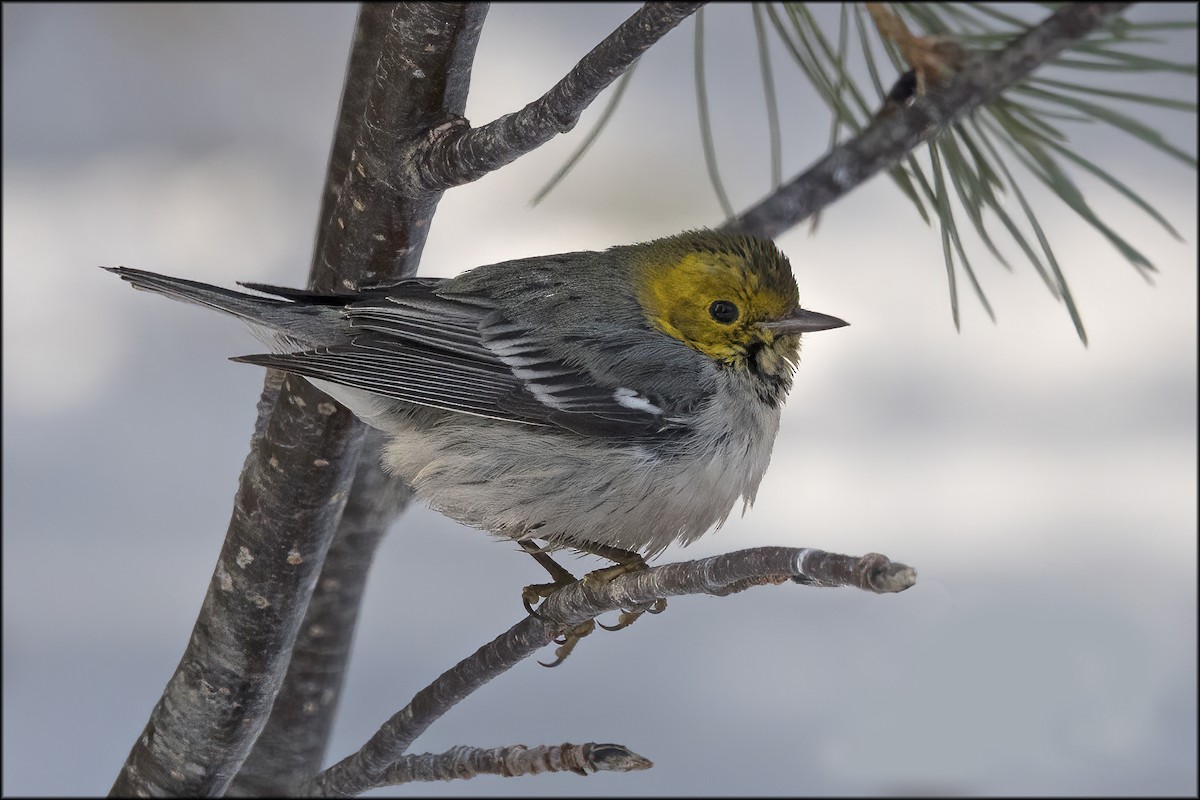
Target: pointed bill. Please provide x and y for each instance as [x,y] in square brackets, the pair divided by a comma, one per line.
[803,321]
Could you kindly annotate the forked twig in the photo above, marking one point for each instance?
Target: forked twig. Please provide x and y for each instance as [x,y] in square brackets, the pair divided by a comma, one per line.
[584,600]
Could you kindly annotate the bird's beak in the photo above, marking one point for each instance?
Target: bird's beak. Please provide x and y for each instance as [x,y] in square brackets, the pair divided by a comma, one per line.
[803,321]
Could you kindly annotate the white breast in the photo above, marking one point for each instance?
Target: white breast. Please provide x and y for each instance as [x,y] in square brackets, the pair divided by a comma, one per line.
[547,484]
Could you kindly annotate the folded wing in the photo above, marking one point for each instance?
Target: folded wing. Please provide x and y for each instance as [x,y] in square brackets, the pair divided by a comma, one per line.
[463,356]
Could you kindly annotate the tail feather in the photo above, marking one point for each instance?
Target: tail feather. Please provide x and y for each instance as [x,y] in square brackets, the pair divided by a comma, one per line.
[239,304]
[282,325]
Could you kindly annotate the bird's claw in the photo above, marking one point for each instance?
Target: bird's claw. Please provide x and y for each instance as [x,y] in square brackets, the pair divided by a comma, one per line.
[568,642]
[630,615]
[536,592]
[626,619]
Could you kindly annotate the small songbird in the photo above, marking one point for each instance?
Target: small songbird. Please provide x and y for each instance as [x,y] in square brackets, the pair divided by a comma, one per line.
[611,402]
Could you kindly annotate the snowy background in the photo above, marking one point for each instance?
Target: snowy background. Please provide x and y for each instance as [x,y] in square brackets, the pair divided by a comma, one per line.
[1046,492]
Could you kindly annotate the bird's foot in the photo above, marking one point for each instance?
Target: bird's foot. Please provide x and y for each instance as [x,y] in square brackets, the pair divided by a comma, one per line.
[567,641]
[634,563]
[534,593]
[626,562]
[631,615]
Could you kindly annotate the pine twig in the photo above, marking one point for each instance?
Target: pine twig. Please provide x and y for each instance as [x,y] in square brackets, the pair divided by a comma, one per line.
[888,139]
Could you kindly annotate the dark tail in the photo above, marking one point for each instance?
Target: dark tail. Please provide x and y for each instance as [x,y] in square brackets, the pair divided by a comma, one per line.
[253,309]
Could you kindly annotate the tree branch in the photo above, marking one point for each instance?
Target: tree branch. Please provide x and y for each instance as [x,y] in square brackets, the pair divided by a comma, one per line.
[888,139]
[305,448]
[285,511]
[456,153]
[292,746]
[582,601]
[293,742]
[464,763]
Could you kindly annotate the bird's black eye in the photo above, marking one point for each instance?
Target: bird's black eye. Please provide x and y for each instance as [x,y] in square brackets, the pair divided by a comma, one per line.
[723,311]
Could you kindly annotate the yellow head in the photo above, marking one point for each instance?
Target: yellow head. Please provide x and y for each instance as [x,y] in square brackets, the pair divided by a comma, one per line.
[731,297]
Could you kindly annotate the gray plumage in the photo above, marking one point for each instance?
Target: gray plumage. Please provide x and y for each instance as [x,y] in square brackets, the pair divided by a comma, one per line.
[516,402]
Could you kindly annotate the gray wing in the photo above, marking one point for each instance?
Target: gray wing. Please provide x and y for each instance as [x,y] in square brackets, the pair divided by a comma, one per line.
[461,355]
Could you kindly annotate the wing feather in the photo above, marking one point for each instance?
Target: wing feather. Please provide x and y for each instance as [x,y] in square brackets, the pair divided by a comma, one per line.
[462,355]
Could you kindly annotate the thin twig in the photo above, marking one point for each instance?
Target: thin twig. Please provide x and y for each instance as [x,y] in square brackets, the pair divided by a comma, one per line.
[887,140]
[456,153]
[581,601]
[464,763]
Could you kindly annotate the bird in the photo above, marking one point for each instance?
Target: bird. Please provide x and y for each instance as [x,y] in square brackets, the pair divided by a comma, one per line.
[610,402]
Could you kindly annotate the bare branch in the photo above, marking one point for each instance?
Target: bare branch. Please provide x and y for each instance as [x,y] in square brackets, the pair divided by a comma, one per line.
[456,153]
[463,763]
[304,451]
[285,511]
[891,137]
[292,746]
[726,574]
[420,78]
[369,31]
[581,601]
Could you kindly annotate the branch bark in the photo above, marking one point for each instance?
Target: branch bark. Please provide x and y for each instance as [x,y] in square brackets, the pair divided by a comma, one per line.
[304,451]
[456,153]
[582,601]
[464,763]
[890,138]
[287,504]
[292,746]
